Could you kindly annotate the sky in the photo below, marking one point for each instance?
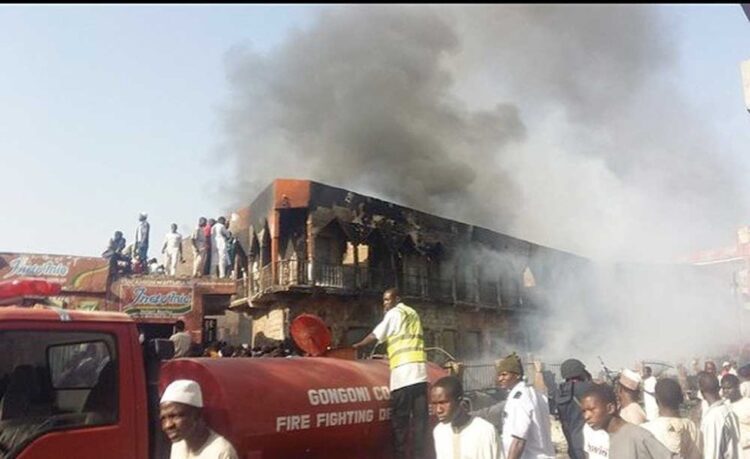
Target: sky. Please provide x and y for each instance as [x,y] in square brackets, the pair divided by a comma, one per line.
[108,111]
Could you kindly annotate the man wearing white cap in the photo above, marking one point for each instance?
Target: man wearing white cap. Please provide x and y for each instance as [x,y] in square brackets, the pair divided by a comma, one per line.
[628,391]
[182,421]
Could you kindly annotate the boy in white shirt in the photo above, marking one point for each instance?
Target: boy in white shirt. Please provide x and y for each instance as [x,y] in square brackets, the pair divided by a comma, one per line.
[459,435]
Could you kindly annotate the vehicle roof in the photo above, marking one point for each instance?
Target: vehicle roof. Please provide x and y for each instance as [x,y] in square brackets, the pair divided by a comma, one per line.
[45,313]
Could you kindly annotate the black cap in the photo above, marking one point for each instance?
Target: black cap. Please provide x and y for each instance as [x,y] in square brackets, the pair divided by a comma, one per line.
[572,368]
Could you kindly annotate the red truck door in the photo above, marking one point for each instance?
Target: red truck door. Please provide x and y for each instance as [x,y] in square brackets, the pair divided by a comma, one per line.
[71,389]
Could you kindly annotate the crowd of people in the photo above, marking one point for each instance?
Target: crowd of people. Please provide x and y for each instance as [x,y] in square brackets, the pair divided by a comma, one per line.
[705,415]
[214,249]
[633,414]
[184,346]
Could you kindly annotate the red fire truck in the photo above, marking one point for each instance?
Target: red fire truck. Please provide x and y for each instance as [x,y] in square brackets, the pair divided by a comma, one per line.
[78,384]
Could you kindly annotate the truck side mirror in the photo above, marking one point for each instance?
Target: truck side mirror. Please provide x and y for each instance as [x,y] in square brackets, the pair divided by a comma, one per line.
[159,349]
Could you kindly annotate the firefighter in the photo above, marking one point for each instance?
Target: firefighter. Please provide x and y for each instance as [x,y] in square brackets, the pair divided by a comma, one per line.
[401,330]
[577,381]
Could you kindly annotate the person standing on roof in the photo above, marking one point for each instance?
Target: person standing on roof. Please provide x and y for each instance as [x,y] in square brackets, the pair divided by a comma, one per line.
[200,243]
[141,238]
[219,236]
[209,246]
[114,254]
[401,330]
[172,250]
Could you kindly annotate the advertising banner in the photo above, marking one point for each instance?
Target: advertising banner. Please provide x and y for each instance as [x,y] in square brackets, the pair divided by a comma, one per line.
[76,274]
[162,301]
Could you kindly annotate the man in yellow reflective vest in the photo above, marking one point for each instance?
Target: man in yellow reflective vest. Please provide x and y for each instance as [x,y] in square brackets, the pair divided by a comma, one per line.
[401,330]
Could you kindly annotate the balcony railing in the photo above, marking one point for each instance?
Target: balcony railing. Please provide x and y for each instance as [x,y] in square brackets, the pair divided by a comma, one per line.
[294,273]
[374,279]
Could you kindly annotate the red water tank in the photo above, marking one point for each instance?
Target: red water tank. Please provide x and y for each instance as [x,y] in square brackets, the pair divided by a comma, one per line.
[299,407]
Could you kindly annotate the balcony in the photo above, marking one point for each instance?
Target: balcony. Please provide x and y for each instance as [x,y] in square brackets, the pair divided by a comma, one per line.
[293,274]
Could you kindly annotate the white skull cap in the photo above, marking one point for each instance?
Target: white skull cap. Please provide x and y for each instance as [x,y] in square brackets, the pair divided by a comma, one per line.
[630,379]
[183,391]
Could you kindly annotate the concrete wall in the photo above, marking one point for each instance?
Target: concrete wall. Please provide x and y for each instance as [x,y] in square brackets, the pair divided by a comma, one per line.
[474,334]
[233,327]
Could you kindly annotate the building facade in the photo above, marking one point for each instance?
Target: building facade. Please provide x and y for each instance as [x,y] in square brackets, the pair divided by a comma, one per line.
[312,248]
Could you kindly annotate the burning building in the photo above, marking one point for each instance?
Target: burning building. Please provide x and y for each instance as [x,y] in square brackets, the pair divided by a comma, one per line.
[314,248]
[306,247]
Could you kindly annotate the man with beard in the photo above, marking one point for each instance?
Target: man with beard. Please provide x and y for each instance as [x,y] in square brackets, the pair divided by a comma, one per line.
[459,435]
[182,420]
[626,440]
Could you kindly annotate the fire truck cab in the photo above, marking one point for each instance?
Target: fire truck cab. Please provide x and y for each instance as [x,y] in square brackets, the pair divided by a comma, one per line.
[71,381]
[81,384]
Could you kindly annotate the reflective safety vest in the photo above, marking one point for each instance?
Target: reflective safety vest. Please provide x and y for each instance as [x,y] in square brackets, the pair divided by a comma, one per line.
[407,345]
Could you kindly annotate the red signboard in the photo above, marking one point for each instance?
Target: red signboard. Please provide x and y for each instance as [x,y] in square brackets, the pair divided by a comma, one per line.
[162,300]
[76,274]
